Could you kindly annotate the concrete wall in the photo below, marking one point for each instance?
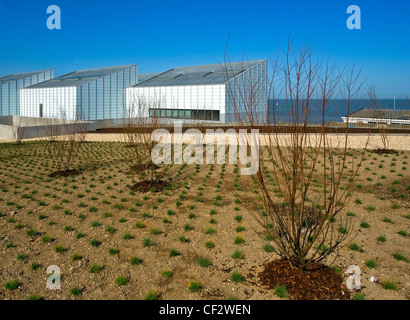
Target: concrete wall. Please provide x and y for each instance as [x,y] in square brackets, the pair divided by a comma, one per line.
[17,127]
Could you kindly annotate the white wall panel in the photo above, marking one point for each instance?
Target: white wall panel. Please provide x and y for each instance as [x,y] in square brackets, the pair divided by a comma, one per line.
[210,97]
[55,101]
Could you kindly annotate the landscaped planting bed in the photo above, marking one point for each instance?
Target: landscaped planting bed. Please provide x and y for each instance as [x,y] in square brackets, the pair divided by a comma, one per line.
[193,240]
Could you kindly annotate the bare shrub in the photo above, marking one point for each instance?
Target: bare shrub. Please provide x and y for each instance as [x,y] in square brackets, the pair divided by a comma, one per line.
[377,113]
[63,139]
[312,174]
[142,119]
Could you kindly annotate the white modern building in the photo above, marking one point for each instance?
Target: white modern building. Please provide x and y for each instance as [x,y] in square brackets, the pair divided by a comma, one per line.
[10,89]
[213,93]
[381,116]
[95,94]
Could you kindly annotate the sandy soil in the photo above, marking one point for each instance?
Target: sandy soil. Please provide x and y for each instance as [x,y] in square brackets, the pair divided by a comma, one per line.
[373,141]
[98,205]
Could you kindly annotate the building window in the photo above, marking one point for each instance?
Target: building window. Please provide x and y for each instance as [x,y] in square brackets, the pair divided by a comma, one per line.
[210,115]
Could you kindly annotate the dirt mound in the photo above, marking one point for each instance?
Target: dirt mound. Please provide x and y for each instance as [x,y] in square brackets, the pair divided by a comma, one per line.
[318,282]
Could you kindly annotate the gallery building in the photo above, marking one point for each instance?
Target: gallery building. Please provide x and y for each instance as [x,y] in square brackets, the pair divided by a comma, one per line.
[95,94]
[214,93]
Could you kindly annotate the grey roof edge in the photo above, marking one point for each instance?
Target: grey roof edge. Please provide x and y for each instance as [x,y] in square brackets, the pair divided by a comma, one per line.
[255,62]
[40,85]
[25,73]
[380,112]
[155,76]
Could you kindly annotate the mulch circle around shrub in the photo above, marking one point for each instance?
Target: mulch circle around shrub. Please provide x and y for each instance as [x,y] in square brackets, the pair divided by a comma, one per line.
[64,173]
[146,186]
[318,282]
[384,151]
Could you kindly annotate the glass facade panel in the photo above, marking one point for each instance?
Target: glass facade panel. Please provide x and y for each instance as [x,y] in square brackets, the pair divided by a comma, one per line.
[107,101]
[238,92]
[10,90]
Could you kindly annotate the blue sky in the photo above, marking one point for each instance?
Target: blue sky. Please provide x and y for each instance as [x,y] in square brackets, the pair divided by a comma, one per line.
[158,35]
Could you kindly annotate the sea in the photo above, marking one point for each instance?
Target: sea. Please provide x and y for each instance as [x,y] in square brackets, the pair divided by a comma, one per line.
[335,109]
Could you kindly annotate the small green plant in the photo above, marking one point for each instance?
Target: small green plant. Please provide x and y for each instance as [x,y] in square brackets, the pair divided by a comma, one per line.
[183,239]
[388,220]
[381,238]
[113,251]
[400,257]
[96,268]
[237,277]
[21,256]
[389,285]
[60,248]
[121,280]
[395,206]
[353,246]
[238,254]
[364,225]
[209,245]
[359,296]
[240,228]
[110,229]
[194,286]
[281,292]
[371,263]
[152,295]
[135,261]
[268,248]
[174,252]
[76,257]
[239,240]
[147,242]
[342,229]
[76,291]
[11,285]
[10,245]
[31,232]
[127,236]
[210,231]
[140,225]
[204,262]
[95,242]
[167,274]
[35,266]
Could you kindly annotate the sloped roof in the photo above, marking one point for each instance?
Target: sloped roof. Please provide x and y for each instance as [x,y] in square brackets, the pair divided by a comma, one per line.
[19,76]
[78,78]
[198,75]
[382,114]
